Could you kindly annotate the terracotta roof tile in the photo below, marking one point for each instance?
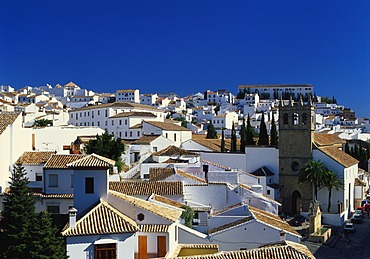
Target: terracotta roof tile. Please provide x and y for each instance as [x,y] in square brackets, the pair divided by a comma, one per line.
[230,225]
[338,155]
[168,201]
[190,176]
[147,188]
[322,139]
[7,118]
[167,126]
[228,208]
[145,139]
[154,228]
[173,150]
[60,161]
[102,219]
[272,220]
[92,160]
[158,174]
[358,182]
[162,211]
[35,157]
[278,250]
[133,114]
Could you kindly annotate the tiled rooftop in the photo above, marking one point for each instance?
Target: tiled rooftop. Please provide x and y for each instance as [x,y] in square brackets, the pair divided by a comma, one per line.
[338,155]
[230,225]
[147,188]
[134,114]
[162,211]
[60,161]
[145,139]
[322,139]
[158,174]
[279,250]
[154,228]
[35,157]
[263,171]
[167,201]
[167,126]
[173,150]
[7,118]
[92,160]
[272,220]
[102,219]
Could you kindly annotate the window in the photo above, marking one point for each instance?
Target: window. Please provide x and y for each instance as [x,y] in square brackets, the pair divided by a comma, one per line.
[120,122]
[53,209]
[295,119]
[155,149]
[130,133]
[38,177]
[98,112]
[138,133]
[89,185]
[53,180]
[125,133]
[106,113]
[105,251]
[285,118]
[112,122]
[304,118]
[98,123]
[174,136]
[268,192]
[126,122]
[294,166]
[140,217]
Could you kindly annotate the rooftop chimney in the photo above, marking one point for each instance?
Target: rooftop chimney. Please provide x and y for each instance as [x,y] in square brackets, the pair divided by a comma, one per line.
[282,235]
[72,217]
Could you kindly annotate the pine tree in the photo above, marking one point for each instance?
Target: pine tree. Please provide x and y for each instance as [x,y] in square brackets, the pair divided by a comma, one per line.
[263,137]
[26,234]
[233,139]
[274,134]
[242,137]
[211,132]
[46,243]
[222,141]
[249,133]
[18,216]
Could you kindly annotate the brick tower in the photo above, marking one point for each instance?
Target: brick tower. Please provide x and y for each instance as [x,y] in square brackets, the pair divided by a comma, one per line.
[296,128]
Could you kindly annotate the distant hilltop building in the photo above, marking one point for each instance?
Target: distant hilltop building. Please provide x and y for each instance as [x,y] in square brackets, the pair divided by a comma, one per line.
[277,91]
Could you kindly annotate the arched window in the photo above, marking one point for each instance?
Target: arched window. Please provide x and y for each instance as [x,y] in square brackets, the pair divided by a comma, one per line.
[285,118]
[295,119]
[304,118]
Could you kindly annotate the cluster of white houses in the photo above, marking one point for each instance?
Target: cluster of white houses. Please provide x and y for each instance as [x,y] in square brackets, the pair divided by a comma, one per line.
[137,213]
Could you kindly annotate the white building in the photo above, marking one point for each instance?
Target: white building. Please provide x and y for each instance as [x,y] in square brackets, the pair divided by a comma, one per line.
[128,96]
[278,91]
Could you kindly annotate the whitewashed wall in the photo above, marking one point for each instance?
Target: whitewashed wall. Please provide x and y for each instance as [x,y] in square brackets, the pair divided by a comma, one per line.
[83,246]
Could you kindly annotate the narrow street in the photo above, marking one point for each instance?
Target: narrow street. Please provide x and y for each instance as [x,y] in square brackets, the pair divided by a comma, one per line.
[347,245]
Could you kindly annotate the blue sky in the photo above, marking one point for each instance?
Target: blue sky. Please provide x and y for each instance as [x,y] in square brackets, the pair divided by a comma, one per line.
[189,46]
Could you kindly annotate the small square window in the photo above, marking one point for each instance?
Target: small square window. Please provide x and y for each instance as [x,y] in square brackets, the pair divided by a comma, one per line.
[53,209]
[38,177]
[268,192]
[53,180]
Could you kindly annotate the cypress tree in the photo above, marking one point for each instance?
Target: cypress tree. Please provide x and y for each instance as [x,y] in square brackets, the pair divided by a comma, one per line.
[263,137]
[18,216]
[242,137]
[346,148]
[233,139]
[274,134]
[249,133]
[211,132]
[222,141]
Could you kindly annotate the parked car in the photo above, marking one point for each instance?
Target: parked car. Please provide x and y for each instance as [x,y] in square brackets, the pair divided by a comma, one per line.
[349,227]
[297,221]
[356,218]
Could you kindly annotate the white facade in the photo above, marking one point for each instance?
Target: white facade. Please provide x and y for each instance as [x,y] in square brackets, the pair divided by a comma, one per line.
[225,120]
[128,96]
[277,91]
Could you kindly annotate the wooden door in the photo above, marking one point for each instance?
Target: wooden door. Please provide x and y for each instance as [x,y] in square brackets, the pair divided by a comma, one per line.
[161,246]
[143,253]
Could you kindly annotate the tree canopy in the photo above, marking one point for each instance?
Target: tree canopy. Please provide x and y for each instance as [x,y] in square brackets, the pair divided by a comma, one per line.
[274,139]
[26,234]
[233,139]
[263,138]
[313,173]
[243,137]
[223,141]
[211,132]
[249,132]
[332,180]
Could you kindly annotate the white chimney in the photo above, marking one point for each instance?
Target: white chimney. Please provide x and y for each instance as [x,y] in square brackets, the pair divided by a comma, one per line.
[282,235]
[72,217]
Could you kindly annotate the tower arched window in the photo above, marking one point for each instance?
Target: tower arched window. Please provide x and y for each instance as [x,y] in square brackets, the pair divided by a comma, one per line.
[295,119]
[304,118]
[285,118]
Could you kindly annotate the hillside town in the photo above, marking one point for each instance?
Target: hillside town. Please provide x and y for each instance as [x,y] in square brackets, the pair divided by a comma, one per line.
[214,174]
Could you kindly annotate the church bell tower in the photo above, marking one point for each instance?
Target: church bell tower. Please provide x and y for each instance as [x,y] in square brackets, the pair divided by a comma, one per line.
[296,128]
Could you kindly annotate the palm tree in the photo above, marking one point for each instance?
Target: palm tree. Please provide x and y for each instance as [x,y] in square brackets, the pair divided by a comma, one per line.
[314,173]
[331,180]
